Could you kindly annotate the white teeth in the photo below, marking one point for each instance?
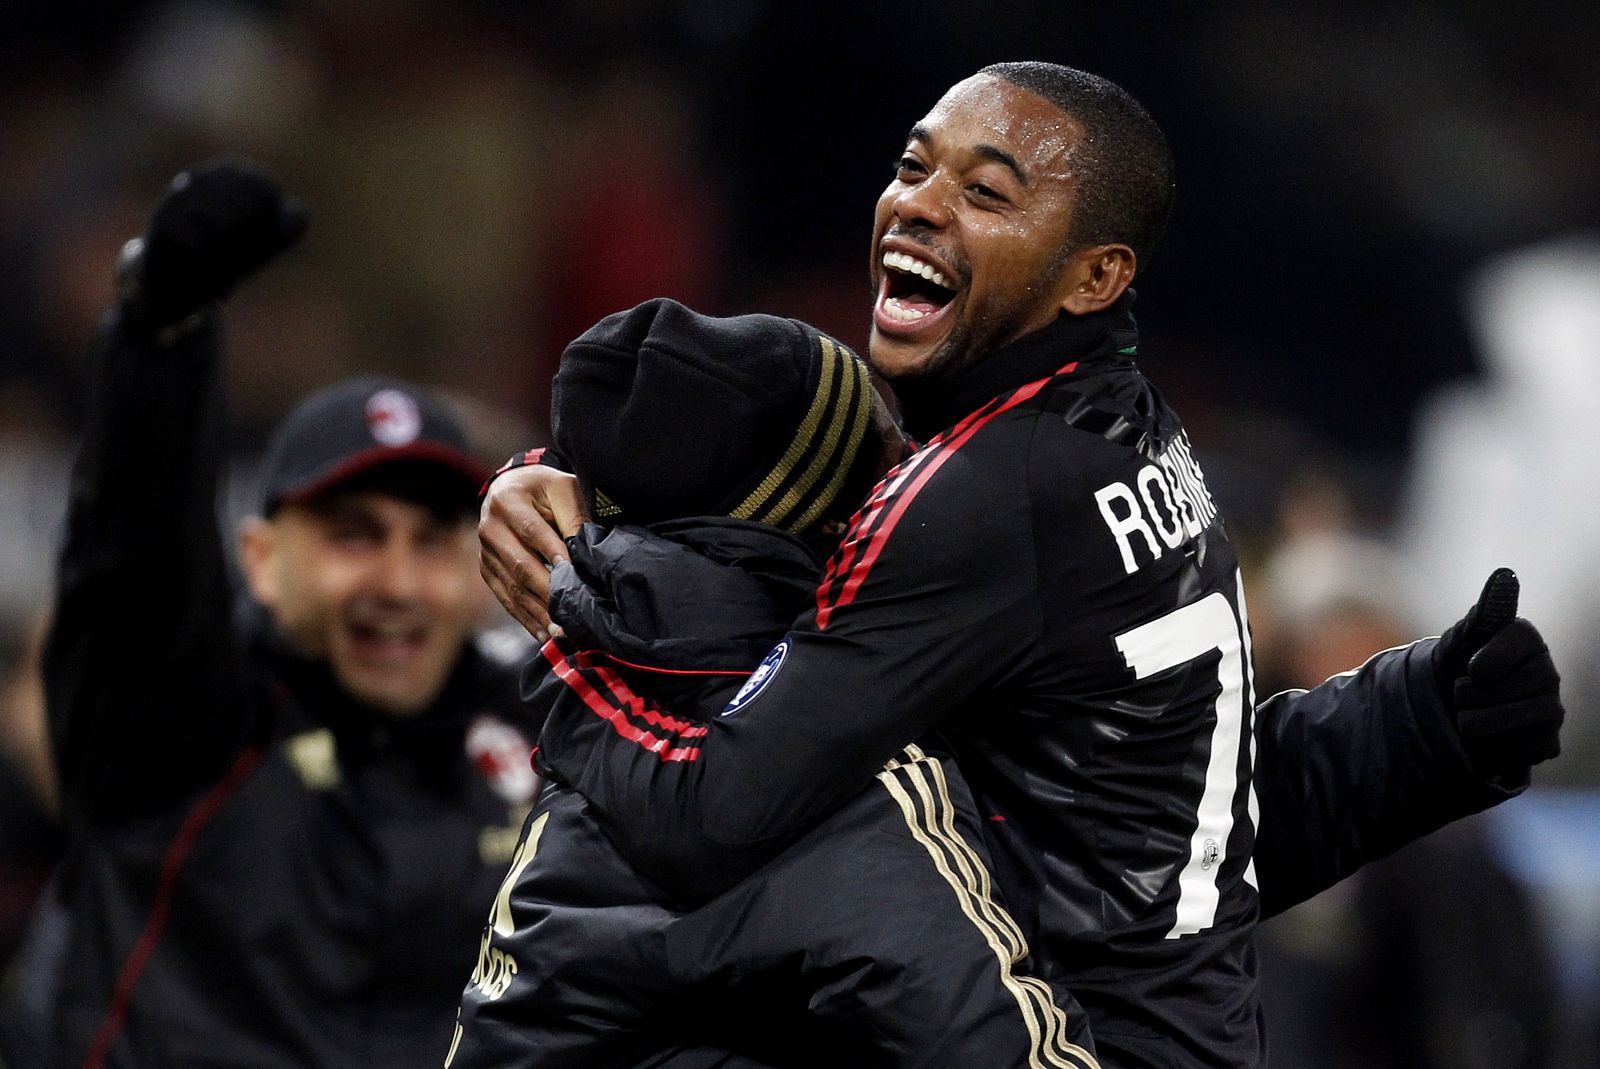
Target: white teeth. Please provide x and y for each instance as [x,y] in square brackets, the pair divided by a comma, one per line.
[898,311]
[900,261]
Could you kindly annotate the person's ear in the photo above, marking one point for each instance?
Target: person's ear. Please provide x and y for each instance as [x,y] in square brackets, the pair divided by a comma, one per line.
[1095,277]
[258,549]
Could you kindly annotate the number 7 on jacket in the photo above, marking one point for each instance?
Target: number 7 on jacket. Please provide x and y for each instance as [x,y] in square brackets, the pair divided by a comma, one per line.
[1184,635]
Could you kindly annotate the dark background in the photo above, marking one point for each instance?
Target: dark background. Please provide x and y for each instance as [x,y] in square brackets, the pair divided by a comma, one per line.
[486,179]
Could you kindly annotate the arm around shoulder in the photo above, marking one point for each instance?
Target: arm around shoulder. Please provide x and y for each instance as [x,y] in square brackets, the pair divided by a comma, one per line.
[912,620]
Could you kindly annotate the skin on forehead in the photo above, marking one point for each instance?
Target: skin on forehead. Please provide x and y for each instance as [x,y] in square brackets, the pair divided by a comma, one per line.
[993,113]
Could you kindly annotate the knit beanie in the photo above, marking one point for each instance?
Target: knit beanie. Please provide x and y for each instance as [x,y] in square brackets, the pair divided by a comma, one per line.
[664,413]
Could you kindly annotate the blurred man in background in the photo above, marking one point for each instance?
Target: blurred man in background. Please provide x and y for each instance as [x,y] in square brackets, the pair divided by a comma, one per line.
[283,821]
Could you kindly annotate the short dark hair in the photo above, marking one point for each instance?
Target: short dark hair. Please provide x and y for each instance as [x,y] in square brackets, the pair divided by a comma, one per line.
[1122,167]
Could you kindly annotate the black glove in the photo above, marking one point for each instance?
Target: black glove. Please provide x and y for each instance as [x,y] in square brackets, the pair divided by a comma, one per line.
[218,223]
[1496,674]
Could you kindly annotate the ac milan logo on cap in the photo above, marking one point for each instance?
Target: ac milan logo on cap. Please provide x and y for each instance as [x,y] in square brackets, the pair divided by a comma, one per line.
[393,417]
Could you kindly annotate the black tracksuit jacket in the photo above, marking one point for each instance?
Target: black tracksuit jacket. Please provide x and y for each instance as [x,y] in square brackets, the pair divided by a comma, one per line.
[1049,582]
[260,872]
[877,940]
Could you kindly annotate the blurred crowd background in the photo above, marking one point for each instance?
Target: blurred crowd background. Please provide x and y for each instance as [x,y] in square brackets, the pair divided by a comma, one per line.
[1377,306]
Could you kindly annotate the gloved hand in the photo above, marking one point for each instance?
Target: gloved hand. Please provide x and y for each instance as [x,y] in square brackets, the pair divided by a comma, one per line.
[217,223]
[1496,674]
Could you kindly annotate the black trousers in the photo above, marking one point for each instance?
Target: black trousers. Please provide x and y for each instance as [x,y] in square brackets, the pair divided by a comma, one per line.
[877,940]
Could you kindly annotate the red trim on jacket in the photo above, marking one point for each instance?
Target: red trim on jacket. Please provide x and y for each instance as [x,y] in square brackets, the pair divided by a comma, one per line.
[572,671]
[613,658]
[899,498]
[166,888]
[521,460]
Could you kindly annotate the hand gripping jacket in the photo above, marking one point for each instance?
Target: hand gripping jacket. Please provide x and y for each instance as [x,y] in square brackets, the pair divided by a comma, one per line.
[877,940]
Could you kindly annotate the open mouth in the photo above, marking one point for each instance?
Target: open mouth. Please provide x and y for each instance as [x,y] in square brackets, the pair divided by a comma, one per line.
[914,292]
[386,643]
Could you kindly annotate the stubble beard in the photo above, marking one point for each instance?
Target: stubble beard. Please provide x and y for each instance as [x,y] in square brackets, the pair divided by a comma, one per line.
[967,346]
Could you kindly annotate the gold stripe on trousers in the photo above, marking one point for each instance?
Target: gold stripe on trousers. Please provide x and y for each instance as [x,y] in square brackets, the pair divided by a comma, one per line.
[919,787]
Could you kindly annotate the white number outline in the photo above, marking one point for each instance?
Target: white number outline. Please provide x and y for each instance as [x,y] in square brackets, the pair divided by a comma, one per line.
[1183,635]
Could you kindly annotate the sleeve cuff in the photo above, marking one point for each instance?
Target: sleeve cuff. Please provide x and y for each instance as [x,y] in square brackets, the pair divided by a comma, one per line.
[519,460]
[1436,723]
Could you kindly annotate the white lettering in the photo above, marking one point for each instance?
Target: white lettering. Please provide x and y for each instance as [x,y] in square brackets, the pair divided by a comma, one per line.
[1182,496]
[1184,511]
[1184,462]
[1152,478]
[1181,636]
[1125,525]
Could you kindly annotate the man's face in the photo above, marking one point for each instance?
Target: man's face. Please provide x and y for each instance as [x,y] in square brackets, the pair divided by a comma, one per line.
[968,239]
[381,588]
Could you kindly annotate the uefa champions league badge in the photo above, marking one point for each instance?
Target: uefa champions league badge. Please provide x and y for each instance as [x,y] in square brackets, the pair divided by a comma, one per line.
[758,679]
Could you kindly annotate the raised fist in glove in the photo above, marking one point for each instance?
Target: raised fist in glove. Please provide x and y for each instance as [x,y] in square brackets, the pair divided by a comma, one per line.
[217,223]
[1496,674]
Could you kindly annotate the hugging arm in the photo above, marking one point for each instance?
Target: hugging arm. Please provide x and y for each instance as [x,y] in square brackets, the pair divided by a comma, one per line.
[908,625]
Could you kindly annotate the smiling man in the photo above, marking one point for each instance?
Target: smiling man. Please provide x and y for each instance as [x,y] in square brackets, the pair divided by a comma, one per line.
[1100,710]
[1048,582]
[284,815]
[357,551]
[975,238]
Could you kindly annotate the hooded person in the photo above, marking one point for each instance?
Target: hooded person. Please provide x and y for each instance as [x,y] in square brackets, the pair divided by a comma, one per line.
[717,455]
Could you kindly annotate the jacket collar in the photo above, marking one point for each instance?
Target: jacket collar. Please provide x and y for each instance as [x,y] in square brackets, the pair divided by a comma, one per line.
[930,406]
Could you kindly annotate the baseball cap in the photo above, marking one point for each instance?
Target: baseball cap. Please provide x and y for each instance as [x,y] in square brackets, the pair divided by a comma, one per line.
[664,413]
[373,432]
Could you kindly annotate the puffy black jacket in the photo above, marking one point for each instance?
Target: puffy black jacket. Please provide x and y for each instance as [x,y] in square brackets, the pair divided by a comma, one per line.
[878,940]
